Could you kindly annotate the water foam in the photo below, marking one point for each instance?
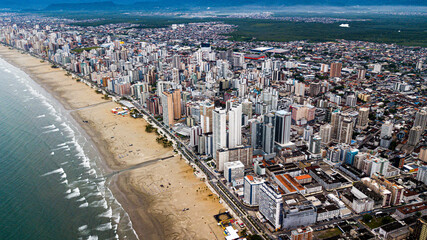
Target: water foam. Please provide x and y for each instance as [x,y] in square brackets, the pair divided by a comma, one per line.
[59,170]
[52,126]
[74,193]
[83,205]
[53,130]
[107,214]
[82,228]
[104,227]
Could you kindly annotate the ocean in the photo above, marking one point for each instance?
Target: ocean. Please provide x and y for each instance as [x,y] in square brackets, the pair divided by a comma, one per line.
[50,184]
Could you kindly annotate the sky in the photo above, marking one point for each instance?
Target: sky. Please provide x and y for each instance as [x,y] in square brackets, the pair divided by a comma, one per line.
[41,4]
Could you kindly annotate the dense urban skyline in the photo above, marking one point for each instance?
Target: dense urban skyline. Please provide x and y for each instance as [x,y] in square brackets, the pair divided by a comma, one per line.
[205,136]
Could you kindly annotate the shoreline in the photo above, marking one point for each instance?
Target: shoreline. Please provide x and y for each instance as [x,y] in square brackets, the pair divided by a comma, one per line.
[155,213]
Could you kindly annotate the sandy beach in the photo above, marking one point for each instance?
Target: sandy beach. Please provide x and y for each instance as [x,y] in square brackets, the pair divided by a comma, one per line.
[157,194]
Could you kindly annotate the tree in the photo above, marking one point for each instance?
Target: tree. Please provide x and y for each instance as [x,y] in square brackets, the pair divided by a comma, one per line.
[393,145]
[386,220]
[254,237]
[418,214]
[367,218]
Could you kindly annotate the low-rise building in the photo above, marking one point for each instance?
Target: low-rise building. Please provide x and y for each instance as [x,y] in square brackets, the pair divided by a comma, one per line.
[233,170]
[328,181]
[410,210]
[297,211]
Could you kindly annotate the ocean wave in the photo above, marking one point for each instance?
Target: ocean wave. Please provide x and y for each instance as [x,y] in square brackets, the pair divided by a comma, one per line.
[116,217]
[104,227]
[63,147]
[92,172]
[59,170]
[92,238]
[82,228]
[83,205]
[96,194]
[63,175]
[52,126]
[107,214]
[50,108]
[53,130]
[73,194]
[100,203]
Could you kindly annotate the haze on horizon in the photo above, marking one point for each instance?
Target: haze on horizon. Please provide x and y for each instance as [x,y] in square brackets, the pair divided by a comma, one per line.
[173,5]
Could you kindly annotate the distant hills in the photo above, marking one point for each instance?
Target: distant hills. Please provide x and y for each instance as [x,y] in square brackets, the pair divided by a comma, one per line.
[81,5]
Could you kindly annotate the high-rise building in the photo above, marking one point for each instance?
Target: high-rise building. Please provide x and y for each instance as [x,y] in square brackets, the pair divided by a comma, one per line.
[308,132]
[219,127]
[359,160]
[176,62]
[271,204]
[283,127]
[176,95]
[423,154]
[420,229]
[346,130]
[351,156]
[414,135]
[385,142]
[335,69]
[421,119]
[363,119]
[325,133]
[351,101]
[195,133]
[268,134]
[374,165]
[315,89]
[377,68]
[256,134]
[361,74]
[314,144]
[247,108]
[422,174]
[235,126]
[335,124]
[324,68]
[171,103]
[302,115]
[299,88]
[386,129]
[206,109]
[243,154]
[251,190]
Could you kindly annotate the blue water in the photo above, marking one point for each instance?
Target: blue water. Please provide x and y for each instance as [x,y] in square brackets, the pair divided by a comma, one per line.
[50,185]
